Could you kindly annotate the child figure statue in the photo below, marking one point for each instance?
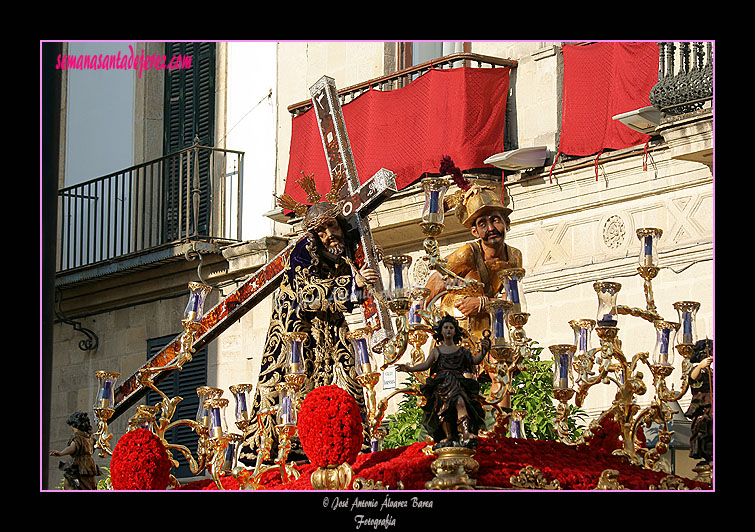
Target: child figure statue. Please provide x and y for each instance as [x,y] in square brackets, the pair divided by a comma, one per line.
[453,413]
[80,473]
[700,410]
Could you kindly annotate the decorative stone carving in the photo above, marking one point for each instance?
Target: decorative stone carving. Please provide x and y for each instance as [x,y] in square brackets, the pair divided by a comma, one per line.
[614,232]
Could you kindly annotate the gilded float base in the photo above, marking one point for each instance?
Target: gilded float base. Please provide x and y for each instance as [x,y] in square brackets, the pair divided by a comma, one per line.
[452,469]
[704,473]
[332,477]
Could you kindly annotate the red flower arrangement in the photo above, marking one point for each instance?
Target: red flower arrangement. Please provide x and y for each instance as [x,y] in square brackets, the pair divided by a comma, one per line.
[140,462]
[330,426]
[607,436]
[499,457]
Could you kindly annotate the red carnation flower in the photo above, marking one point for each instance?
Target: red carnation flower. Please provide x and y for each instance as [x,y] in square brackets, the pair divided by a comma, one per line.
[140,462]
[330,426]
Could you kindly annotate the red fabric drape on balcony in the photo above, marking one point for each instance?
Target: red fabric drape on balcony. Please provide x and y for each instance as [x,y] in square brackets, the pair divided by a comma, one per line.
[602,80]
[457,112]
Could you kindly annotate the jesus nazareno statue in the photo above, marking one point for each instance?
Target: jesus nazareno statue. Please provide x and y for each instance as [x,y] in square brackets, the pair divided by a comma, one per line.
[453,413]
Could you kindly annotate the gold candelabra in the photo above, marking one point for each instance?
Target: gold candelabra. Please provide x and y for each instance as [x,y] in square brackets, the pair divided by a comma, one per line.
[578,367]
[286,416]
[509,344]
[209,424]
[104,408]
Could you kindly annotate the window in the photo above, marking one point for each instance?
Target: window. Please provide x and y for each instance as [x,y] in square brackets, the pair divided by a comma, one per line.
[183,383]
[416,53]
[189,114]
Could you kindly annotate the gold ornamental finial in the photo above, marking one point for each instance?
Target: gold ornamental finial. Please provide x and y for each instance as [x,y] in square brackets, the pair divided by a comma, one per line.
[337,182]
[314,198]
[287,202]
[308,185]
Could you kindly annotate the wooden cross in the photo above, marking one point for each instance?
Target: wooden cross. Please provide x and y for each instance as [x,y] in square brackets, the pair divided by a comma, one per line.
[359,199]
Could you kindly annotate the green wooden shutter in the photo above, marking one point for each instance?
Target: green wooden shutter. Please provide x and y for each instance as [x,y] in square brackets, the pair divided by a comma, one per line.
[189,113]
[183,383]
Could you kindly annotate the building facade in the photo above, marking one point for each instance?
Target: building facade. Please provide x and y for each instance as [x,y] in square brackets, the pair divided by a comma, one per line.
[574,217]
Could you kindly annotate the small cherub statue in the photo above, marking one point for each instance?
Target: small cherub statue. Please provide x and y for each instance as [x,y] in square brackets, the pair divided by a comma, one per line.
[453,413]
[81,471]
[700,409]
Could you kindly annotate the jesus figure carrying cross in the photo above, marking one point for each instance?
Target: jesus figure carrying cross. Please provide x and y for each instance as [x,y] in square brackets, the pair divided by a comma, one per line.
[326,276]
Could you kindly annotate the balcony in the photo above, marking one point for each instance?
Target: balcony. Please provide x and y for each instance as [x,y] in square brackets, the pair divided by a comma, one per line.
[149,213]
[684,95]
[685,77]
[402,78]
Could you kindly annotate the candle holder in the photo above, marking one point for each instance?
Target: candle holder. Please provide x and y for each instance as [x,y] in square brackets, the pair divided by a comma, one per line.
[419,330]
[287,411]
[205,393]
[215,407]
[145,418]
[607,310]
[512,288]
[687,311]
[212,441]
[364,362]
[563,356]
[516,425]
[686,337]
[195,307]
[663,354]
[230,460]
[433,212]
[582,336]
[398,274]
[399,300]
[685,332]
[648,261]
[511,280]
[105,390]
[295,370]
[499,311]
[264,437]
[192,320]
[503,360]
[287,416]
[563,387]
[242,394]
[367,375]
[217,439]
[104,408]
[432,225]
[649,237]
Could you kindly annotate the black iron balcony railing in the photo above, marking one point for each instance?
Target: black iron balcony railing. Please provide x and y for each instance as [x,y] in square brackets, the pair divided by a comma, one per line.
[685,77]
[192,194]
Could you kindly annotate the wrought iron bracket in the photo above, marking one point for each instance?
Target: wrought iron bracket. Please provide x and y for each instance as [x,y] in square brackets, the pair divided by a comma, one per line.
[92,341]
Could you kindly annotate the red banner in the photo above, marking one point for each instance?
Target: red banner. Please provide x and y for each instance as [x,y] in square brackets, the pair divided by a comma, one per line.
[602,80]
[458,112]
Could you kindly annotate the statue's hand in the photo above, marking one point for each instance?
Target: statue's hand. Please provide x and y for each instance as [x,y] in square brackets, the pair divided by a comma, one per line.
[468,305]
[367,275]
[485,344]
